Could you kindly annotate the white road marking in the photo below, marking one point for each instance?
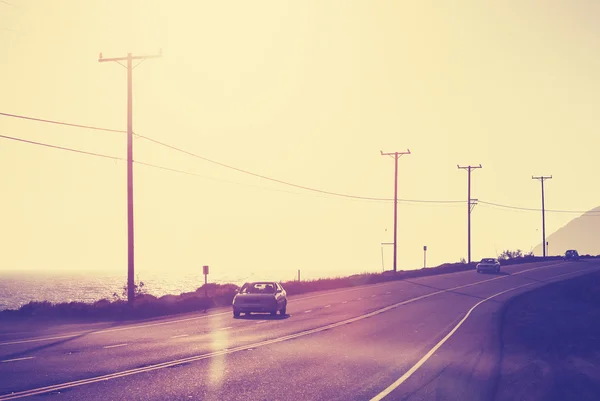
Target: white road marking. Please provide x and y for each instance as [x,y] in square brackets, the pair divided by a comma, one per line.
[18,359]
[308,311]
[114,346]
[140,326]
[75,334]
[373,296]
[428,355]
[358,299]
[226,328]
[180,335]
[125,373]
[327,306]
[345,302]
[260,321]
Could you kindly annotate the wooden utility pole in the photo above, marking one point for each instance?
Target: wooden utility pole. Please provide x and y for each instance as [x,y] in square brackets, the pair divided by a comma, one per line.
[130,256]
[469,208]
[396,156]
[544,243]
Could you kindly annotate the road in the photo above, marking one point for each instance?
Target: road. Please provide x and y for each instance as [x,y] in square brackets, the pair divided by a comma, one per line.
[426,338]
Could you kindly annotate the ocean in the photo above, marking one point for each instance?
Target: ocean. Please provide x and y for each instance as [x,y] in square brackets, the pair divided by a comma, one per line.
[17,289]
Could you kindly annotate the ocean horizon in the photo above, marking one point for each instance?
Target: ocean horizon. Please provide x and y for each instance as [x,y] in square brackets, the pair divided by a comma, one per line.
[18,288]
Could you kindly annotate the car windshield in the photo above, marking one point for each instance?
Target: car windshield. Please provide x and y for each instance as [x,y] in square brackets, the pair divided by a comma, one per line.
[259,288]
[488,260]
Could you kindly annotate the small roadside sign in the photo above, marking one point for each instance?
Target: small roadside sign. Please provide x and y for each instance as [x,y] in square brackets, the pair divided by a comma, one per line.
[205,270]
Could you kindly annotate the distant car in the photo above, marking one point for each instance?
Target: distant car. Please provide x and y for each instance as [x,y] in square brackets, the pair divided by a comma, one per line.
[261,296]
[571,254]
[488,264]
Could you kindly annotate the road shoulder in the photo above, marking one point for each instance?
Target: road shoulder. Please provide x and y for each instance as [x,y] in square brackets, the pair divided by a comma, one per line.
[550,346]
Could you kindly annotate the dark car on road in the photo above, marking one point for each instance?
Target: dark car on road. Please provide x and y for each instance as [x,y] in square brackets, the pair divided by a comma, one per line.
[263,296]
[571,254]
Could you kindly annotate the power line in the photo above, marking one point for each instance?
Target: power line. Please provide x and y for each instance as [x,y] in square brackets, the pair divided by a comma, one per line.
[61,148]
[289,183]
[232,167]
[258,175]
[156,166]
[528,209]
[485,203]
[266,177]
[62,123]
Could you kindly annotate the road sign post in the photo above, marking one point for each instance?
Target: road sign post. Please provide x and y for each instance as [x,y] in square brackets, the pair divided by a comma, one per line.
[424,256]
[205,271]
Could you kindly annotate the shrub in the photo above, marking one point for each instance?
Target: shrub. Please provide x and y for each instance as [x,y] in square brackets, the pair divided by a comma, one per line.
[508,254]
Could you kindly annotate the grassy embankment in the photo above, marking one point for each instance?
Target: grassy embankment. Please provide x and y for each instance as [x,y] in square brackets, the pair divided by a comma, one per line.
[147,305]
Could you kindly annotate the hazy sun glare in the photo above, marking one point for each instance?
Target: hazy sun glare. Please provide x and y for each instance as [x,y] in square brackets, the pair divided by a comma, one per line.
[306,92]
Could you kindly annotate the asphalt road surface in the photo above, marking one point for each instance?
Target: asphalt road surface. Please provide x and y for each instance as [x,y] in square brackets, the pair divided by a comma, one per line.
[427,338]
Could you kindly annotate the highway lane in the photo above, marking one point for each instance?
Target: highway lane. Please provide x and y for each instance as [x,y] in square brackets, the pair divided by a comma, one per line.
[419,323]
[32,333]
[342,303]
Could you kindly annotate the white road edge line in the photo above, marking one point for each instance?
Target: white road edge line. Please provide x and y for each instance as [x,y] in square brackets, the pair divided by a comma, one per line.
[226,328]
[308,311]
[32,340]
[180,335]
[125,373]
[70,335]
[18,359]
[428,355]
[114,346]
[327,306]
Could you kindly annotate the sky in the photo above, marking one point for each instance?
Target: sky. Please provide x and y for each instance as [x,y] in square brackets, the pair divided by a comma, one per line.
[304,92]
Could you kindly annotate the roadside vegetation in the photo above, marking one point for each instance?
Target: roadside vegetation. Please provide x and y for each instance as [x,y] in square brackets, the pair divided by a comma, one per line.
[215,295]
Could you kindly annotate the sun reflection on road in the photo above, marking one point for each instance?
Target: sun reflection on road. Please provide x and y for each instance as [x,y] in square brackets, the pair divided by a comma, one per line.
[219,340]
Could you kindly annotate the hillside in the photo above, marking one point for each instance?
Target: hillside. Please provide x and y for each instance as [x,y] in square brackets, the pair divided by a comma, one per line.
[581,233]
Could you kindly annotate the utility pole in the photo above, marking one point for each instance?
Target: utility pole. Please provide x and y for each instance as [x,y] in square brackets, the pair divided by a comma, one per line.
[469,207]
[396,156]
[382,244]
[130,258]
[544,243]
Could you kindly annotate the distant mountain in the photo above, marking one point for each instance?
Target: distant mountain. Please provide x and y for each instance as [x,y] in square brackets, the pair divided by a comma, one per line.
[581,233]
